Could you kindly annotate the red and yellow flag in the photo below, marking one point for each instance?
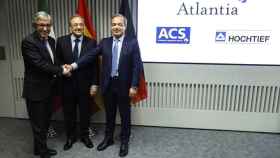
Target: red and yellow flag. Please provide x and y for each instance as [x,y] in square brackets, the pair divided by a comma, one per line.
[91,33]
[83,12]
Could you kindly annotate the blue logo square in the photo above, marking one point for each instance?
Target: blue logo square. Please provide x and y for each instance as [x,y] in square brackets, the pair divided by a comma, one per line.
[220,37]
[175,35]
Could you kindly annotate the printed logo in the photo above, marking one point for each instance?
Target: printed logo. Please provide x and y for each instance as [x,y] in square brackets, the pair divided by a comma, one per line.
[220,36]
[243,36]
[176,35]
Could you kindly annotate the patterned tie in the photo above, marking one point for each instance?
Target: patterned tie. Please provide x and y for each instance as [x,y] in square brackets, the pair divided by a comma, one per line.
[114,71]
[76,50]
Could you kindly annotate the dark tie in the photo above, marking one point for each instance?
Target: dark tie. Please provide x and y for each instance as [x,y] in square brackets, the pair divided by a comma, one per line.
[114,71]
[76,50]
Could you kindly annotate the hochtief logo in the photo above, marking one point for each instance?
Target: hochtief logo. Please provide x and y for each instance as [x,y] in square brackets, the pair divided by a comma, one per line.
[243,36]
[175,35]
[220,36]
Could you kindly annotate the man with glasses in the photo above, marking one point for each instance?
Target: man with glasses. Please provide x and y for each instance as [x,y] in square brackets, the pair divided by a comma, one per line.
[41,71]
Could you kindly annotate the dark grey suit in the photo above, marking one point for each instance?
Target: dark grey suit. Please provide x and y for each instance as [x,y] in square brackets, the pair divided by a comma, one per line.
[40,77]
[76,88]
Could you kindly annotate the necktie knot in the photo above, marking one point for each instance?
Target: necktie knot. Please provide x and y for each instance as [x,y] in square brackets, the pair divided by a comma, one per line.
[77,40]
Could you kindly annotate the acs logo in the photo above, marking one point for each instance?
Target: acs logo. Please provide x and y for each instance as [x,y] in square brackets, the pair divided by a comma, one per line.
[175,35]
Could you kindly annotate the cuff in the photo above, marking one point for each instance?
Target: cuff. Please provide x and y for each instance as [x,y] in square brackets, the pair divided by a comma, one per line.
[74,66]
[93,87]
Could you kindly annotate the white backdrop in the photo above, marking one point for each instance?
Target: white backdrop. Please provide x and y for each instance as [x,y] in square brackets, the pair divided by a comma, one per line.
[213,24]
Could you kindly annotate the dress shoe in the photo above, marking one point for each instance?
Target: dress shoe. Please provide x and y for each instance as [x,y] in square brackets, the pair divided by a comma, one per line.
[105,143]
[87,142]
[123,149]
[69,143]
[51,152]
[45,156]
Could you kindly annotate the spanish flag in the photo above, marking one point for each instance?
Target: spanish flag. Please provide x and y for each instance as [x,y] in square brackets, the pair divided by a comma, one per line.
[91,33]
[83,12]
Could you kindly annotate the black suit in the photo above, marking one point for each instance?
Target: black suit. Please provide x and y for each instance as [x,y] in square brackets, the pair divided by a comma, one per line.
[40,77]
[76,88]
[116,89]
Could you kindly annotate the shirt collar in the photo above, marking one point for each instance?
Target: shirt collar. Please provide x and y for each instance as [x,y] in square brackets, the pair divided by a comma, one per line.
[74,37]
[120,39]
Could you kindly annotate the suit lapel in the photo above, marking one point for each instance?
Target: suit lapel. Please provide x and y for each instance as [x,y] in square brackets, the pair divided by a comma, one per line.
[52,45]
[45,51]
[110,47]
[83,46]
[68,48]
[124,48]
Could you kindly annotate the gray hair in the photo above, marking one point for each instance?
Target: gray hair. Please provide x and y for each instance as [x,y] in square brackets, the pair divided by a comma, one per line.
[120,15]
[39,15]
[75,16]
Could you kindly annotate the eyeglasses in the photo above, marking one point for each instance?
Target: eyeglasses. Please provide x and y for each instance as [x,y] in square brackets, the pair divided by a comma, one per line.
[44,25]
[78,24]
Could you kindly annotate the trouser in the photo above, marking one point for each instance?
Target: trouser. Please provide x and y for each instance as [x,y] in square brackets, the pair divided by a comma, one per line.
[70,106]
[39,115]
[114,100]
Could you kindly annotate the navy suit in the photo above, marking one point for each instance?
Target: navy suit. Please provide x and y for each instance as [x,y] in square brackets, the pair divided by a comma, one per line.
[116,89]
[76,88]
[40,77]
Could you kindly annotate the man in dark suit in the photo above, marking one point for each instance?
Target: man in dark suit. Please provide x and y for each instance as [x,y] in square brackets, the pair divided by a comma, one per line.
[121,64]
[76,88]
[40,76]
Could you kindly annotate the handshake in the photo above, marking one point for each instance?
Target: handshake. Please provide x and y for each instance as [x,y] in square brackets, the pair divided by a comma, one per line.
[67,69]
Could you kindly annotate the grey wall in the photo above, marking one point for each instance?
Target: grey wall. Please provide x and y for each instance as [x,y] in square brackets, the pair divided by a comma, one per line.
[7,107]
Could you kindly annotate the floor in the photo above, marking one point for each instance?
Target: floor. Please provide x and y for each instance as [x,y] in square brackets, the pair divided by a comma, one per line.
[146,142]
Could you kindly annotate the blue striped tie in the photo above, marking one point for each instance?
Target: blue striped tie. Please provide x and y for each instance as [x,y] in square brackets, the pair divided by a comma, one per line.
[114,71]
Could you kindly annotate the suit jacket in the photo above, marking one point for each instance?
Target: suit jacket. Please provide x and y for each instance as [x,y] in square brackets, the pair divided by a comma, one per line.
[40,73]
[84,77]
[129,63]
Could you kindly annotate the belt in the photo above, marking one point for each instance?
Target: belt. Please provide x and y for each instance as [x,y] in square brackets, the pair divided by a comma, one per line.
[114,77]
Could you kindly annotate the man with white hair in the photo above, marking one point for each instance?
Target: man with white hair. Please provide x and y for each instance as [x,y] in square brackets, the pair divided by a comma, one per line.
[41,71]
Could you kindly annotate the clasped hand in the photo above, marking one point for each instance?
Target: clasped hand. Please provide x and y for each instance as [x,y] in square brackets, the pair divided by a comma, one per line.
[67,69]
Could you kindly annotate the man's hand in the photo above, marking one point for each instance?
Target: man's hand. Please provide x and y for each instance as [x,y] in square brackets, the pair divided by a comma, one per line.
[132,92]
[93,90]
[67,70]
[68,67]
